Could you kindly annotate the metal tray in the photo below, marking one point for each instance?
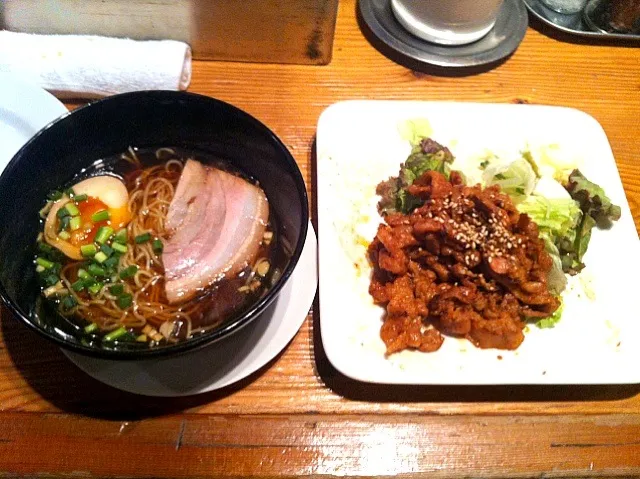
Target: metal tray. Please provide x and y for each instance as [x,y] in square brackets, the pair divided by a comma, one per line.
[588,23]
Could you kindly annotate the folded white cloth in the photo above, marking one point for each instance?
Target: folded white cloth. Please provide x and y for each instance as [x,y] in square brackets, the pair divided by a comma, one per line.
[83,66]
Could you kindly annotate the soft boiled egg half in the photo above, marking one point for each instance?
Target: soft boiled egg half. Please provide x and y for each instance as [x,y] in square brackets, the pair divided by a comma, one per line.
[74,222]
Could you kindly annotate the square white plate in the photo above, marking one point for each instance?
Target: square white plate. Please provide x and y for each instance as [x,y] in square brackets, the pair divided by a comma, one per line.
[358,145]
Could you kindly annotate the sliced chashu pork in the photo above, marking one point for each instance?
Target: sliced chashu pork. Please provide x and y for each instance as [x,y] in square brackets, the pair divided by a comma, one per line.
[217,221]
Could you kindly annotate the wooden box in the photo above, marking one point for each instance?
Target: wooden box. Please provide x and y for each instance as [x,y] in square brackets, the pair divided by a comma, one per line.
[275,31]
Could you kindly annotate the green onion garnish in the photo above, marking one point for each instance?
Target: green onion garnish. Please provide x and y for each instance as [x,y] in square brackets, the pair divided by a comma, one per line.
[82,274]
[65,221]
[128,272]
[40,269]
[102,215]
[75,223]
[96,270]
[69,302]
[78,285]
[121,331]
[45,263]
[103,234]
[90,328]
[55,195]
[120,248]
[95,288]
[121,236]
[106,249]
[64,235]
[111,262]
[88,250]
[157,246]
[80,198]
[143,238]
[117,289]
[72,209]
[100,257]
[51,279]
[69,192]
[62,212]
[45,248]
[124,301]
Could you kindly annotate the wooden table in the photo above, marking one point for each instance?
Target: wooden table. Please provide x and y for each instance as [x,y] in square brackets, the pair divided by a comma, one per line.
[298,415]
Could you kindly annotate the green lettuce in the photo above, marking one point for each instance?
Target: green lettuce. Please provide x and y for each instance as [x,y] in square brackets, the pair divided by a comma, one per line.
[426,155]
[552,320]
[597,210]
[517,179]
[557,221]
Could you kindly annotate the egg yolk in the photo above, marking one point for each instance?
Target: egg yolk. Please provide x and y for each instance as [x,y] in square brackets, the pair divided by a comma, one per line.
[118,218]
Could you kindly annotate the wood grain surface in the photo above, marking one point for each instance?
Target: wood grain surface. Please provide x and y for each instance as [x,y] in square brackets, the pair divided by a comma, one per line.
[298,415]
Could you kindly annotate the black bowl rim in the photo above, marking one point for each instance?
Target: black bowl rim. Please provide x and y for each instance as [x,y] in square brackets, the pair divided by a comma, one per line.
[208,338]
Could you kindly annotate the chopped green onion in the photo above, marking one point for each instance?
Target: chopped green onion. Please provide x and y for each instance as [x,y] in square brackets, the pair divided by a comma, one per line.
[143,238]
[100,257]
[88,250]
[128,272]
[121,331]
[40,269]
[120,248]
[78,285]
[69,192]
[117,289]
[69,302]
[75,223]
[121,236]
[55,195]
[80,198]
[72,209]
[96,270]
[90,281]
[103,234]
[51,279]
[64,235]
[82,274]
[45,248]
[62,212]
[106,249]
[95,288]
[142,338]
[65,221]
[124,301]
[111,262]
[90,328]
[102,215]
[157,246]
[45,263]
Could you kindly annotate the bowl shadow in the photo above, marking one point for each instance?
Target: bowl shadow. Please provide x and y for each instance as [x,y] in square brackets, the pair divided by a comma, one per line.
[58,381]
[390,393]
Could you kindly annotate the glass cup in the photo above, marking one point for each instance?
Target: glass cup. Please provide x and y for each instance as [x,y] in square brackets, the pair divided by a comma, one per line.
[447,22]
[565,6]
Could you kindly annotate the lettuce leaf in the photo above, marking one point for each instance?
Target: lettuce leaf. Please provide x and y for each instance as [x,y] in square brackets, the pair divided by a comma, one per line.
[426,155]
[558,220]
[597,210]
[552,320]
[517,179]
[415,130]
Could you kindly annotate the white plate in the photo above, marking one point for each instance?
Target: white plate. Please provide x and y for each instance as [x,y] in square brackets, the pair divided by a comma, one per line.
[24,110]
[227,361]
[358,145]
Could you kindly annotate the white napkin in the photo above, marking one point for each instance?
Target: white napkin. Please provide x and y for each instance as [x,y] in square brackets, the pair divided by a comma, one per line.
[82,66]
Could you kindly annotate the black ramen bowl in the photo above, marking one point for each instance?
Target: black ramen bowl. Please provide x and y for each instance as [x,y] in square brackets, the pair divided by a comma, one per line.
[60,154]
